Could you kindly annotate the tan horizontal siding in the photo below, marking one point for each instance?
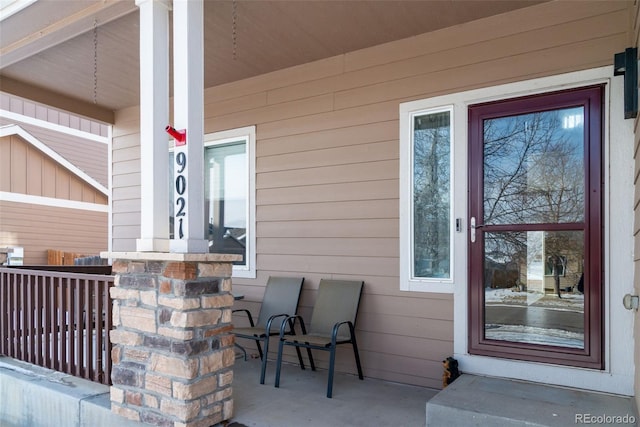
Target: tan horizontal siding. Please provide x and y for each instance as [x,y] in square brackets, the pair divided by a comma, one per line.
[31,109]
[350,209]
[234,105]
[289,76]
[126,180]
[346,156]
[39,228]
[556,14]
[123,245]
[126,167]
[405,369]
[327,162]
[329,120]
[329,246]
[587,54]
[345,265]
[127,206]
[399,345]
[270,113]
[126,231]
[369,190]
[450,58]
[329,138]
[331,228]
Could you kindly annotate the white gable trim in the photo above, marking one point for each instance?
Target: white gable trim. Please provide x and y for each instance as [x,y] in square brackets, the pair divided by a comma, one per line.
[53,126]
[13,7]
[53,202]
[17,130]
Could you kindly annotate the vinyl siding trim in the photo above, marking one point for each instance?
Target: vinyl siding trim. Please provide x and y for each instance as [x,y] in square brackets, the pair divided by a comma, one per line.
[53,126]
[50,201]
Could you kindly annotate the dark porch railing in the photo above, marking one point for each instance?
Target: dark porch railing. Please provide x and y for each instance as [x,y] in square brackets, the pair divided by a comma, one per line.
[58,319]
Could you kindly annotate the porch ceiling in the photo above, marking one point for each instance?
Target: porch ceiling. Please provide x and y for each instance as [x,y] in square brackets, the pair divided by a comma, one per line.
[47,49]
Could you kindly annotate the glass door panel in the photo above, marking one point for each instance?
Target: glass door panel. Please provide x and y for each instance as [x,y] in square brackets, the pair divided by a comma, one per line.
[534,168]
[531,281]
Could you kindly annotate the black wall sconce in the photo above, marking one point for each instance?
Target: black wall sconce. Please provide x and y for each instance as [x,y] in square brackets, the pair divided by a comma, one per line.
[626,64]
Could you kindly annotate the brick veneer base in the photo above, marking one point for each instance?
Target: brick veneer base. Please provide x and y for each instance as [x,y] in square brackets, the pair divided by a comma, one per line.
[173,346]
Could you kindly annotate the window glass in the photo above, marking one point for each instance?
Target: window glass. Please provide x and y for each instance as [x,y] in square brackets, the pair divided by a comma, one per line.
[534,167]
[525,274]
[226,179]
[431,195]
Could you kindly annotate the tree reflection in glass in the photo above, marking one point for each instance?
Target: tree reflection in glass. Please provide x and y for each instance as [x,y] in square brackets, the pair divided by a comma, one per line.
[534,178]
[534,168]
[431,195]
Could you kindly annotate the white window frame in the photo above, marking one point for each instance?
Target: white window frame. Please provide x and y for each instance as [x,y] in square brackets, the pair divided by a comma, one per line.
[248,134]
[408,112]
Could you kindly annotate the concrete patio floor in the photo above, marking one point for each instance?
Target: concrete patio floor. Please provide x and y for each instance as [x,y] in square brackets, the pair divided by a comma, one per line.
[301,399]
[31,396]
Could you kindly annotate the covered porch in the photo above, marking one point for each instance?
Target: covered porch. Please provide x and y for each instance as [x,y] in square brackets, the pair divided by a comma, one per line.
[318,103]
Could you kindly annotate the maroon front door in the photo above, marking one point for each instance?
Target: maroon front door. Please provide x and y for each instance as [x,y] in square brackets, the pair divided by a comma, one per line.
[535,247]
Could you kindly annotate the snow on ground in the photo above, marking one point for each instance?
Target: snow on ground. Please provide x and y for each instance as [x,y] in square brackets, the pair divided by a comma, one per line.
[569,301]
[533,335]
[530,334]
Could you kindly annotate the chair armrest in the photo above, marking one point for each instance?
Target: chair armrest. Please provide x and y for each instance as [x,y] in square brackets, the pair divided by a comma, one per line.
[248,315]
[336,328]
[274,317]
[291,320]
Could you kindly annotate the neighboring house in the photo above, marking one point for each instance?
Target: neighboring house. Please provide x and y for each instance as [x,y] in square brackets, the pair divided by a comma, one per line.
[51,201]
[378,164]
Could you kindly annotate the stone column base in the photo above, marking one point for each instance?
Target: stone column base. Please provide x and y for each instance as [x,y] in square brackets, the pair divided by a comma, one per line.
[173,344]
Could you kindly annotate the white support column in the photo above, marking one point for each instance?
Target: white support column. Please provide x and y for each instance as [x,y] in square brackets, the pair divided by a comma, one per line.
[154,116]
[188,98]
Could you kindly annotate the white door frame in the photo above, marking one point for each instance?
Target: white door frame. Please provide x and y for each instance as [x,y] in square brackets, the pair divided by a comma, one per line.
[617,377]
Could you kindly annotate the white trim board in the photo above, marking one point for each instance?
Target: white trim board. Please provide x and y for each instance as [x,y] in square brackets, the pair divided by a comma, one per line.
[17,130]
[53,126]
[13,7]
[53,202]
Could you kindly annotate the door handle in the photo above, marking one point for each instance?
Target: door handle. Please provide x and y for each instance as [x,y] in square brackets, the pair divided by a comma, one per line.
[474,227]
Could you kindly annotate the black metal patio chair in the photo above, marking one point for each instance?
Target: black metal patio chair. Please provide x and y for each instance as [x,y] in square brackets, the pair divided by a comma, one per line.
[280,301]
[332,323]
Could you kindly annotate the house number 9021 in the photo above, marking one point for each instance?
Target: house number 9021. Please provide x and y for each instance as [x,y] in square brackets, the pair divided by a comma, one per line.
[181,188]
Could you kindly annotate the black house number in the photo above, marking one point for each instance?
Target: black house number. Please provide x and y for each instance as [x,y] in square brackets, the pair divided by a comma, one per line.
[181,188]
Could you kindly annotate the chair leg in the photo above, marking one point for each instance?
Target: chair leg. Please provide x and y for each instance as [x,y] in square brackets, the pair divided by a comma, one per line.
[332,362]
[264,358]
[300,358]
[279,362]
[357,355]
[259,348]
[313,365]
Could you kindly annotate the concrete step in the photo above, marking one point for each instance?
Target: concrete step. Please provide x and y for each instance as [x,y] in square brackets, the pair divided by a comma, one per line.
[473,400]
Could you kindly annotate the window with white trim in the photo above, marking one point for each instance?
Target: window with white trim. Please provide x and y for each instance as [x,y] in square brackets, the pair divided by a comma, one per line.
[426,236]
[229,196]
